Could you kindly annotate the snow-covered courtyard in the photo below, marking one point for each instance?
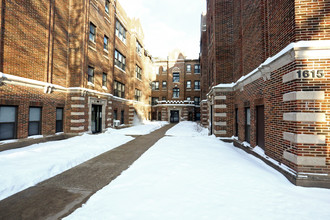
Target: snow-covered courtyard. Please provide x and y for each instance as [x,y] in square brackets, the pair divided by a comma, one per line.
[25,167]
[189,175]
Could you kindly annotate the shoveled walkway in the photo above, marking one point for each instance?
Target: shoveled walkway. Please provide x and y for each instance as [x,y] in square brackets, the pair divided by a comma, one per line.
[61,195]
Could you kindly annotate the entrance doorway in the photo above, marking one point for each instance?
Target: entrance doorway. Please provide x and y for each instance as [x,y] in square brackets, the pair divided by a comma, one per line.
[261,126]
[96,118]
[174,116]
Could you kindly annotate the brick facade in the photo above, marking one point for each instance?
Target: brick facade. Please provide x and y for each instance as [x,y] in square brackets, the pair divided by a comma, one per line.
[188,84]
[269,61]
[46,51]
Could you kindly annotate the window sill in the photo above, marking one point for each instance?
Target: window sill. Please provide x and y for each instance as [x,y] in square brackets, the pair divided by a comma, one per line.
[105,88]
[93,42]
[105,50]
[120,69]
[197,89]
[90,84]
[92,48]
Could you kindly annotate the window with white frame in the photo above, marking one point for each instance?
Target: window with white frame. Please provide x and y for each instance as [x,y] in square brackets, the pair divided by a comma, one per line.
[188,84]
[8,122]
[197,85]
[197,68]
[155,85]
[34,121]
[138,72]
[104,79]
[176,92]
[59,120]
[119,89]
[138,95]
[106,43]
[92,32]
[120,31]
[176,77]
[138,48]
[120,60]
[107,6]
[164,85]
[188,68]
[90,74]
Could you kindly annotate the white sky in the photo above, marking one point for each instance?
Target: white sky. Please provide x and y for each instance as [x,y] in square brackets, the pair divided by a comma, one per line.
[168,24]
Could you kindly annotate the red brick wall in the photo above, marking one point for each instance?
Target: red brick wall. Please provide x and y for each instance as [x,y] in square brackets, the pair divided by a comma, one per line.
[312,20]
[25,38]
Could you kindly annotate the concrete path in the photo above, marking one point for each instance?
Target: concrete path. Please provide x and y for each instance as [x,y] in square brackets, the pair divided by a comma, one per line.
[59,196]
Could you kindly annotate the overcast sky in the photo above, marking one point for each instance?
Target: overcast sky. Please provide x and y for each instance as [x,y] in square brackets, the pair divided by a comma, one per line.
[168,24]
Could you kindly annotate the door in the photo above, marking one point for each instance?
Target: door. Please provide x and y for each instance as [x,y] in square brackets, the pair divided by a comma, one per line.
[247,124]
[96,118]
[174,116]
[261,126]
[211,119]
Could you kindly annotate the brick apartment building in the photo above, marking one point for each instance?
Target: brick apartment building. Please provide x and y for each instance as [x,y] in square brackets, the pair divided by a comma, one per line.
[68,67]
[176,89]
[265,67]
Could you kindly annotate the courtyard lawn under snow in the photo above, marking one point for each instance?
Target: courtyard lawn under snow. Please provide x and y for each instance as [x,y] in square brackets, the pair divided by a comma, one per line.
[25,167]
[189,175]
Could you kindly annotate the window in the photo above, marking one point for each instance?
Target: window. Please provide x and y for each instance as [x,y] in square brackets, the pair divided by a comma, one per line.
[188,84]
[155,85]
[119,89]
[138,48]
[107,4]
[90,74]
[104,80]
[92,32]
[138,72]
[247,124]
[197,85]
[197,100]
[176,93]
[105,43]
[59,120]
[154,101]
[120,31]
[8,122]
[164,84]
[188,98]
[188,68]
[197,68]
[120,60]
[176,77]
[34,121]
[138,95]
[122,118]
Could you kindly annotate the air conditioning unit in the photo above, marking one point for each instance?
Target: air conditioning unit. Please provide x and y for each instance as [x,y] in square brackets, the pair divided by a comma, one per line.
[116,123]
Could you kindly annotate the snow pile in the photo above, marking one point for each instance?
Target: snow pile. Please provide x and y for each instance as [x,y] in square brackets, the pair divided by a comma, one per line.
[145,128]
[187,128]
[201,177]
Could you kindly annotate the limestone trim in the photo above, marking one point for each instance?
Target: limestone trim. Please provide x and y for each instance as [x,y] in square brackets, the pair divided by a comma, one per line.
[77,106]
[304,138]
[299,50]
[304,117]
[304,95]
[306,161]
[220,114]
[220,123]
[220,132]
[220,106]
